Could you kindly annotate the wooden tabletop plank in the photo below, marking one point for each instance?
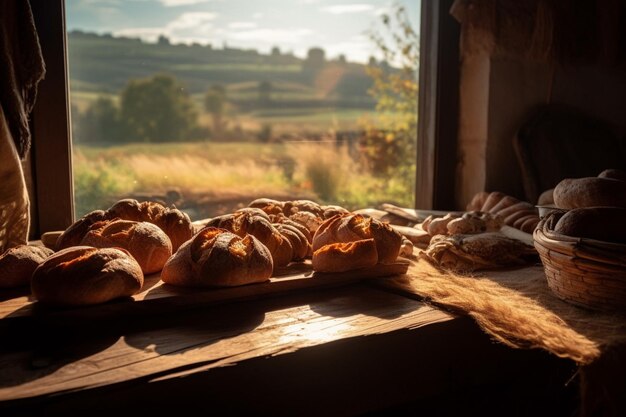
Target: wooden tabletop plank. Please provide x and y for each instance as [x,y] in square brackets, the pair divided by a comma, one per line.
[158,297]
[214,337]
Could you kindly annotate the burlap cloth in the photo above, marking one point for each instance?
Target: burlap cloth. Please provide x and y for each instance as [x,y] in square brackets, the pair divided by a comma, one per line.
[517,308]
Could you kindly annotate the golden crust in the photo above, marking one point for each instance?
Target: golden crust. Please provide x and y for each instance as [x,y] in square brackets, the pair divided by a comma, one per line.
[340,257]
[17,264]
[83,275]
[219,258]
[146,242]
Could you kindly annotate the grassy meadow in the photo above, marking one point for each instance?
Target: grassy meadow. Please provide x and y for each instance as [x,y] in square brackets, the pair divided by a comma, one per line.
[212,178]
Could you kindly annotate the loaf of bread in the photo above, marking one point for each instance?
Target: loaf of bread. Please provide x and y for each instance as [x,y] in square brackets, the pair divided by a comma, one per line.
[306,212]
[616,174]
[573,193]
[146,242]
[73,235]
[243,224]
[83,275]
[341,257]
[600,223]
[218,258]
[353,227]
[17,264]
[175,223]
[509,208]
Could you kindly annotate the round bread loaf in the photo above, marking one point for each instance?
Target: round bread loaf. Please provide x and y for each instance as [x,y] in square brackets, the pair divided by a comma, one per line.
[218,258]
[573,193]
[17,264]
[73,235]
[346,256]
[353,227]
[616,174]
[83,275]
[175,223]
[146,242]
[246,223]
[607,224]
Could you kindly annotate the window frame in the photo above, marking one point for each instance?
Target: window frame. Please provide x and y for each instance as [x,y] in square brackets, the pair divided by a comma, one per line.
[52,189]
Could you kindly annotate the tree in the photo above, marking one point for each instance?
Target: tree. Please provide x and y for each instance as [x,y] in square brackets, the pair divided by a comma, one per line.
[214,104]
[265,92]
[157,109]
[316,57]
[99,123]
[391,147]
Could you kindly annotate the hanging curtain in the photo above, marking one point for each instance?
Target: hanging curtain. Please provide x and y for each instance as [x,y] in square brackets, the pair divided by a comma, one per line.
[21,69]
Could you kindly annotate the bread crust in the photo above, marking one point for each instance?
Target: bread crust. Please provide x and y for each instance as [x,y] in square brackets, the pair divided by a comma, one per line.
[17,264]
[73,235]
[175,223]
[218,258]
[83,275]
[573,193]
[246,223]
[353,227]
[146,242]
[600,223]
[345,256]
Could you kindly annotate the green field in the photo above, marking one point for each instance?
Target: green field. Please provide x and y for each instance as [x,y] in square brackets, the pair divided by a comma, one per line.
[217,177]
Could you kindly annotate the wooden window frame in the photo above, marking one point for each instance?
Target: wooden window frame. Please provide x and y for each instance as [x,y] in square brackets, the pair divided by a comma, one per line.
[52,189]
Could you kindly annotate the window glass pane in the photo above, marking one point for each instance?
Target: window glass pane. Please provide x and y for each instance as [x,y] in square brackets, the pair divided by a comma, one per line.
[209,104]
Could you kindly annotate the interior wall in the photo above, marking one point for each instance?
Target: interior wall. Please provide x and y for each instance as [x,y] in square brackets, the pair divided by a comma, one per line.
[487,159]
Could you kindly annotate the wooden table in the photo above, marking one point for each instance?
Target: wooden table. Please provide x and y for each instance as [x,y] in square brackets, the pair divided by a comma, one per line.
[340,351]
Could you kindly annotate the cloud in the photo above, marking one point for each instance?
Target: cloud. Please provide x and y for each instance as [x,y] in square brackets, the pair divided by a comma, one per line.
[186,26]
[348,8]
[191,21]
[147,34]
[177,3]
[282,36]
[242,25]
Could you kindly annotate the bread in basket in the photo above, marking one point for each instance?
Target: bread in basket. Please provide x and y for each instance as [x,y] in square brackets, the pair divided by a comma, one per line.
[582,271]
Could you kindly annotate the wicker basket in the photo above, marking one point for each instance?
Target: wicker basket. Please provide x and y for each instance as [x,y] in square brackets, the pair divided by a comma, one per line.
[585,272]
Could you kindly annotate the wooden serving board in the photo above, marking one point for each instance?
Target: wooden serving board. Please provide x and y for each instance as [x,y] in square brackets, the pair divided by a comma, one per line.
[157,297]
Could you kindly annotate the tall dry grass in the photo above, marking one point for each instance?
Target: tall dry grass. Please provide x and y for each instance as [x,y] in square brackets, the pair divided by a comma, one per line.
[319,169]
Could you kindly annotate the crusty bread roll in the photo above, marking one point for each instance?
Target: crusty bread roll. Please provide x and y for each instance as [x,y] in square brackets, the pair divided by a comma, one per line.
[146,242]
[345,256]
[546,197]
[616,174]
[474,222]
[510,209]
[601,223]
[573,193]
[299,243]
[353,227]
[243,224]
[73,235]
[478,201]
[333,210]
[218,258]
[296,206]
[17,264]
[83,275]
[175,223]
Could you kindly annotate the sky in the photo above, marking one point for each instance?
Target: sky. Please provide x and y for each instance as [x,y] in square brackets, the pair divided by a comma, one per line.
[339,27]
